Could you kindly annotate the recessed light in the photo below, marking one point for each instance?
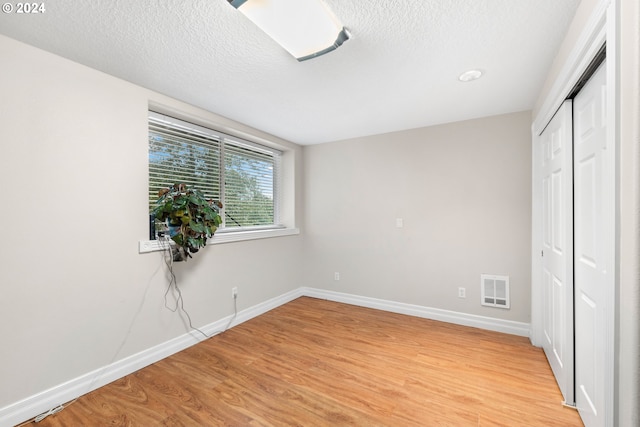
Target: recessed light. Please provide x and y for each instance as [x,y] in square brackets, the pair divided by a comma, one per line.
[470,75]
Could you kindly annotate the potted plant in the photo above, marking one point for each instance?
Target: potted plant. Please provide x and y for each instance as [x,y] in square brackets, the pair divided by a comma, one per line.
[190,217]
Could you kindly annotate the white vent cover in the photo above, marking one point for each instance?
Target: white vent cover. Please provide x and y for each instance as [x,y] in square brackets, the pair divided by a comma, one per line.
[494,290]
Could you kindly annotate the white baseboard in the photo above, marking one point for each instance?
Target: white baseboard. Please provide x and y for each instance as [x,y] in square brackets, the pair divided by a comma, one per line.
[482,322]
[32,406]
[41,402]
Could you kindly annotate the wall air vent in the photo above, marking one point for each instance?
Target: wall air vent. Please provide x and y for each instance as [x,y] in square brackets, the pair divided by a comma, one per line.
[494,290]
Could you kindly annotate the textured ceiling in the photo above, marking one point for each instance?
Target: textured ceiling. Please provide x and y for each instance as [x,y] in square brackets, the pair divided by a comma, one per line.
[399,70]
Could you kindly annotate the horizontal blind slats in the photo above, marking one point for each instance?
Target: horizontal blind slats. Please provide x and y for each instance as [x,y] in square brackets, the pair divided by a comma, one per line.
[249,186]
[180,155]
[180,152]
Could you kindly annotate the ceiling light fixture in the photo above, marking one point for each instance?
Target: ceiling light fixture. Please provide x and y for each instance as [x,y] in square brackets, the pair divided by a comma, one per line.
[305,28]
[470,75]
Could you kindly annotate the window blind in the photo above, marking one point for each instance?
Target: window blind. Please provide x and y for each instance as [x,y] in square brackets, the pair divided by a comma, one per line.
[249,185]
[243,175]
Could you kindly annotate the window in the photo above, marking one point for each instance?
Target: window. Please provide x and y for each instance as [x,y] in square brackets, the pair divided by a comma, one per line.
[243,175]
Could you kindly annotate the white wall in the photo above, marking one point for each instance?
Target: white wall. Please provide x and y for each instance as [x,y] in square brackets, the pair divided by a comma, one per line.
[464,193]
[74,189]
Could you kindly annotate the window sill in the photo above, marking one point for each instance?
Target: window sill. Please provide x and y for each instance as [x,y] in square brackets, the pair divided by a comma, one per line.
[146,246]
[239,236]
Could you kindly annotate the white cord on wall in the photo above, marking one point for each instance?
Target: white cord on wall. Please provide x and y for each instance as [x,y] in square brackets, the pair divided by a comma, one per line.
[173,283]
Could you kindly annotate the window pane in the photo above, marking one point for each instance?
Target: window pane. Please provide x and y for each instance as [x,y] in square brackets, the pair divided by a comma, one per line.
[182,156]
[249,186]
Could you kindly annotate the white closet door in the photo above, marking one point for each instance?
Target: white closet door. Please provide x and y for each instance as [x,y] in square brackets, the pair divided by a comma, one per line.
[557,247]
[590,151]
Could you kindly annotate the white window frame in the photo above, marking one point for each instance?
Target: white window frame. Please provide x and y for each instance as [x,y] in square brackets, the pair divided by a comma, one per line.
[233,234]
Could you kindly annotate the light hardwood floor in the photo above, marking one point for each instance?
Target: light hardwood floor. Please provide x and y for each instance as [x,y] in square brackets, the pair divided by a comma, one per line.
[319,363]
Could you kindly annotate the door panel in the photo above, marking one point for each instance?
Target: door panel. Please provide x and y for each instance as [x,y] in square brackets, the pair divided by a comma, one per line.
[557,247]
[590,245]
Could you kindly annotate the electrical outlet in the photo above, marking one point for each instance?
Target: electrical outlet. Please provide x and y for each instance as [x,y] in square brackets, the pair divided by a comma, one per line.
[234,292]
[462,293]
[336,276]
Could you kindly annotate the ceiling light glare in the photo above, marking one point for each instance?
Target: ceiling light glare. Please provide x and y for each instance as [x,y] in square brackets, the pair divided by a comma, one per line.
[470,75]
[305,28]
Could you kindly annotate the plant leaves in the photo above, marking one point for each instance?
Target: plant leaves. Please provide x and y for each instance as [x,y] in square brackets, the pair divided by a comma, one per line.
[195,217]
[198,228]
[195,242]
[198,201]
[178,238]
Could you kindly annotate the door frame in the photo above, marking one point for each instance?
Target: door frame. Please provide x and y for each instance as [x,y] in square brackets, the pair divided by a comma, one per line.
[600,29]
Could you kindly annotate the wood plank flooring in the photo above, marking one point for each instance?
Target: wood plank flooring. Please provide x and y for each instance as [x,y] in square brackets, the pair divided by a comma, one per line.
[319,363]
